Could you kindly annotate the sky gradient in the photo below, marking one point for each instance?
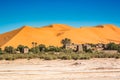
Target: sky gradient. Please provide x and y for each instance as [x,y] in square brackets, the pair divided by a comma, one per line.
[17,13]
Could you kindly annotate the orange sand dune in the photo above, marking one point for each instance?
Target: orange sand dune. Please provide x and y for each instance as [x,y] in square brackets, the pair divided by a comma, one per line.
[53,34]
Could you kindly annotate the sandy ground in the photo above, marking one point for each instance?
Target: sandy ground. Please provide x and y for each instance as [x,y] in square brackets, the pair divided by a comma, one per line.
[36,69]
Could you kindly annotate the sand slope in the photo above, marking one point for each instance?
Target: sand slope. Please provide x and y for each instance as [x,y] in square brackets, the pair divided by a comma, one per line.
[53,34]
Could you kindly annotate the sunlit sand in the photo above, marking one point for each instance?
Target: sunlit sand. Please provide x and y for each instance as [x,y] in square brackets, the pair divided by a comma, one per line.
[36,69]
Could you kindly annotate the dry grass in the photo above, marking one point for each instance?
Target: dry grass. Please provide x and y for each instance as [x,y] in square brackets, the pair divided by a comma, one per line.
[63,56]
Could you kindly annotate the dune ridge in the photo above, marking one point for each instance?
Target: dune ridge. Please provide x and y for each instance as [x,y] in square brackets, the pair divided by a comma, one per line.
[53,34]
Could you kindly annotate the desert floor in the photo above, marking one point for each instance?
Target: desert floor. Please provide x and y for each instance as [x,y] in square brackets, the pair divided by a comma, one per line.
[36,69]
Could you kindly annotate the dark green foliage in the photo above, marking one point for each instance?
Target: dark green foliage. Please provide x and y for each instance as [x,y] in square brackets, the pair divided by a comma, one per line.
[75,56]
[20,48]
[1,51]
[92,45]
[112,46]
[89,51]
[53,49]
[66,57]
[65,42]
[9,49]
[42,47]
[35,49]
[118,49]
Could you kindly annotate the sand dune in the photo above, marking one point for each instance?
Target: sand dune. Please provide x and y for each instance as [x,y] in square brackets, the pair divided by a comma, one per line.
[53,34]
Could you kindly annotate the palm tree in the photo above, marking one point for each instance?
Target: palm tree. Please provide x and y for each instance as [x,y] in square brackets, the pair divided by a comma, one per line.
[33,44]
[65,42]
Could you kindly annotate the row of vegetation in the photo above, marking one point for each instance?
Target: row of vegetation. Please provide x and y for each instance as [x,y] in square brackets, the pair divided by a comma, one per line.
[62,56]
[37,48]
[51,52]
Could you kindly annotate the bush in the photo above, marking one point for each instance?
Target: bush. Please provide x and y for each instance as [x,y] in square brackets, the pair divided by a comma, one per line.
[1,58]
[48,58]
[66,57]
[75,57]
[89,51]
[84,56]
[112,46]
[62,56]
[7,58]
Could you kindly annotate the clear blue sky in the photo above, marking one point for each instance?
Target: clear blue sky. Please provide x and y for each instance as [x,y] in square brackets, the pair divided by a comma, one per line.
[16,13]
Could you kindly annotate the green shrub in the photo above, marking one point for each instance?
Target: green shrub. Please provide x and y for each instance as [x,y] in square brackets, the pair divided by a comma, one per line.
[66,57]
[1,58]
[75,56]
[8,58]
[84,57]
[61,55]
[48,58]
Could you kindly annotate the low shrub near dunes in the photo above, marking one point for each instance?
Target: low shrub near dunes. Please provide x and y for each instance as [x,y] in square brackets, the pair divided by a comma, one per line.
[62,56]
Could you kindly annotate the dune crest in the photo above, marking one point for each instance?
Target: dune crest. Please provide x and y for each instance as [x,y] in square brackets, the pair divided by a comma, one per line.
[53,34]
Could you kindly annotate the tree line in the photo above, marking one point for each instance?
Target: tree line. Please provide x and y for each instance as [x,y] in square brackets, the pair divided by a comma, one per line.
[37,48]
